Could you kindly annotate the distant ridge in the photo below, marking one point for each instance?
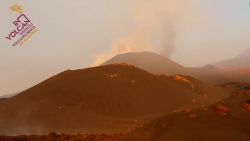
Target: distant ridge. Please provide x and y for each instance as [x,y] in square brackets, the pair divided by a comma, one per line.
[158,64]
[240,61]
[237,68]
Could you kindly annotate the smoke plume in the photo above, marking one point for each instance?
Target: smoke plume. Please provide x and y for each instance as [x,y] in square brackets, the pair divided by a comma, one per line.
[154,28]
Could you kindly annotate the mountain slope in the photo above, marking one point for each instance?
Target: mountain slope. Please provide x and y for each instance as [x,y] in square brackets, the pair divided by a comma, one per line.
[151,62]
[240,61]
[157,64]
[226,121]
[8,95]
[237,68]
[96,99]
[209,74]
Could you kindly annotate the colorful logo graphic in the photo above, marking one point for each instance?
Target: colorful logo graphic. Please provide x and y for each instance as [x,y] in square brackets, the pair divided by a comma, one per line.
[23,30]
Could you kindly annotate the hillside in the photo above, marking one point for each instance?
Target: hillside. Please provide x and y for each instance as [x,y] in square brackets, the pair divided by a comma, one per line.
[151,62]
[240,61]
[237,68]
[109,98]
[157,64]
[228,120]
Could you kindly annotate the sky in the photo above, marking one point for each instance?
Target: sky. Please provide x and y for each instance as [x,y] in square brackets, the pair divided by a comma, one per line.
[82,33]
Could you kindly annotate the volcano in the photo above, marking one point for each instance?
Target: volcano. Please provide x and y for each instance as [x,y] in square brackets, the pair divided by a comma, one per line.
[158,64]
[105,99]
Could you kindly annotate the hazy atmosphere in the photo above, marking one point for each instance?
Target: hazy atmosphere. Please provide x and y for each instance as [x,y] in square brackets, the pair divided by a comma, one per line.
[192,33]
[125,70]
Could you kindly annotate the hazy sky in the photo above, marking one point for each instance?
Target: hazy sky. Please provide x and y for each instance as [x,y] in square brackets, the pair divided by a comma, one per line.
[72,34]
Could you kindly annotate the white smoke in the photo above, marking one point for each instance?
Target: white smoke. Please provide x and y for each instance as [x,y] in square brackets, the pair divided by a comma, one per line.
[154,28]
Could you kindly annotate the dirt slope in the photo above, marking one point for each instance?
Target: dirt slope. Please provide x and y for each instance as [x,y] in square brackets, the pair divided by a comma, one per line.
[227,120]
[101,99]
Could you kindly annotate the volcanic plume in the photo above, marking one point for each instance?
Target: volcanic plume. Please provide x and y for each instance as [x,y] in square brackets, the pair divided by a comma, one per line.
[154,28]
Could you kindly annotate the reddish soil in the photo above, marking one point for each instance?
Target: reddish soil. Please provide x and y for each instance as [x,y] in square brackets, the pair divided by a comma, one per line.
[222,110]
[56,137]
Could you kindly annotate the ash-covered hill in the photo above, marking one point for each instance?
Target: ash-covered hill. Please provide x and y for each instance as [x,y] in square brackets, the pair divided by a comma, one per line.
[100,99]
